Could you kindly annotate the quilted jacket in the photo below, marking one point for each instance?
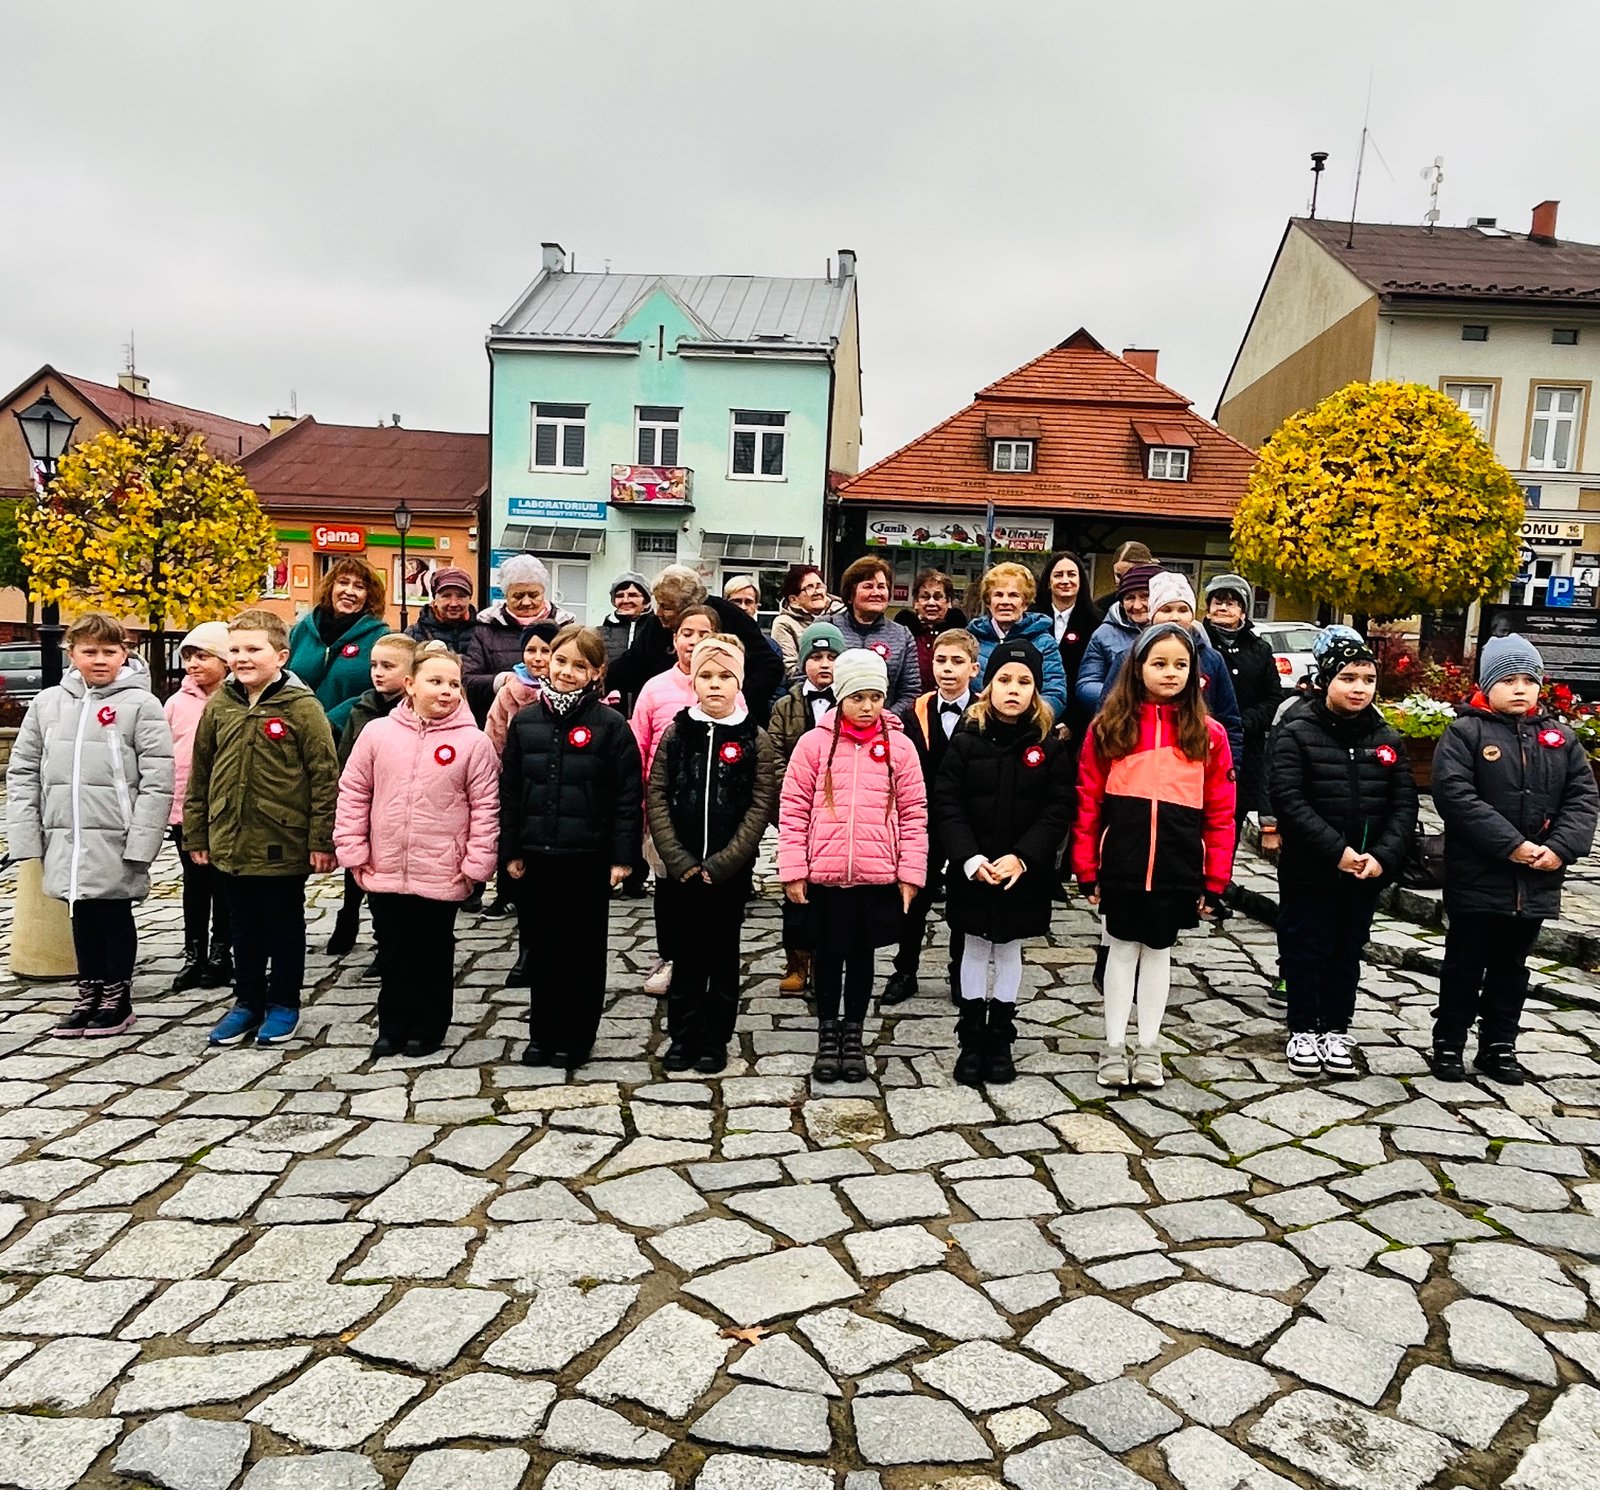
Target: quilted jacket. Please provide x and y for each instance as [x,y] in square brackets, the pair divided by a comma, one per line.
[710,795]
[183,710]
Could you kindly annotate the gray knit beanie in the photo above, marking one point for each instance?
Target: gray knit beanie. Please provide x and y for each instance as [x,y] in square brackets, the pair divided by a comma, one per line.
[1504,657]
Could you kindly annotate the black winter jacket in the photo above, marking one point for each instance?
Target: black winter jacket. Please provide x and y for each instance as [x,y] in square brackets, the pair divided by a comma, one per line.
[1500,781]
[1083,621]
[924,636]
[1256,683]
[651,653]
[1001,790]
[370,706]
[571,785]
[1340,782]
[713,790]
[454,634]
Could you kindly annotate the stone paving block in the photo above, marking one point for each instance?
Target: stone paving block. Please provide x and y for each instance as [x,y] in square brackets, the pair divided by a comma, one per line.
[983,1376]
[1213,1388]
[667,1362]
[52,1453]
[1336,1244]
[184,1453]
[65,1373]
[894,1249]
[703,1244]
[763,1417]
[1110,1233]
[69,1306]
[466,1469]
[287,1311]
[537,1254]
[1095,1337]
[652,1198]
[561,1323]
[427,1328]
[285,1254]
[1380,1308]
[764,1288]
[194,1380]
[1205,1220]
[1485,1336]
[60,1244]
[941,1303]
[1119,1414]
[1460,1407]
[430,1192]
[1005,1199]
[915,1430]
[1239,1318]
[852,1344]
[1345,1446]
[1185,1178]
[999,1249]
[745,1472]
[1326,1355]
[922,1109]
[414,1252]
[1199,1460]
[1070,1464]
[336,1404]
[481,1404]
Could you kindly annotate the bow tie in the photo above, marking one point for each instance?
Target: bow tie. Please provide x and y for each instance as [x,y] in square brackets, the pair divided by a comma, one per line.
[815,694]
[947,708]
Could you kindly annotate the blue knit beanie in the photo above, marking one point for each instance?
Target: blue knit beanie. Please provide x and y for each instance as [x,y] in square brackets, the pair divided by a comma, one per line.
[1504,657]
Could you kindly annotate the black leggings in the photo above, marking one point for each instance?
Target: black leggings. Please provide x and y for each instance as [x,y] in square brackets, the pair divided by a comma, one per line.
[104,940]
[845,923]
[205,907]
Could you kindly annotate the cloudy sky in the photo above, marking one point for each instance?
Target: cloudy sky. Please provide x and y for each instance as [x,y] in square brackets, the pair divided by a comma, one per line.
[338,196]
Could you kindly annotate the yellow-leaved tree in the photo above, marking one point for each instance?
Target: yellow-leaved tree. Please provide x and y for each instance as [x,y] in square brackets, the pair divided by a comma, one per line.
[144,521]
[1382,499]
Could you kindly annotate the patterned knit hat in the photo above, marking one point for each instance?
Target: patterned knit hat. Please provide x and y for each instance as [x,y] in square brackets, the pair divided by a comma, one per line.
[1506,656]
[1339,654]
[728,650]
[857,670]
[1137,578]
[1168,587]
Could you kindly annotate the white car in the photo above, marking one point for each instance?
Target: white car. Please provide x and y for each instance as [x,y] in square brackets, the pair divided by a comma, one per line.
[1291,643]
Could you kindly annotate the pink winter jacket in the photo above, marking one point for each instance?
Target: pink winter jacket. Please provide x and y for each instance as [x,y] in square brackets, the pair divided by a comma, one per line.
[183,710]
[862,839]
[514,694]
[419,806]
[657,705]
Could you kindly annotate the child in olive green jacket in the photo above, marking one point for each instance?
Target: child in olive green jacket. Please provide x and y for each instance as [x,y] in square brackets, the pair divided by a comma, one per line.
[260,807]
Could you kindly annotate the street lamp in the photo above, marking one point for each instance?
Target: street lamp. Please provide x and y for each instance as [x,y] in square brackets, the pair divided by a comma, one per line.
[402,525]
[47,431]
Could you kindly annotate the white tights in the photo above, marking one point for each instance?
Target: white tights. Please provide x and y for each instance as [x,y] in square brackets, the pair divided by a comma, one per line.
[1130,965]
[976,957]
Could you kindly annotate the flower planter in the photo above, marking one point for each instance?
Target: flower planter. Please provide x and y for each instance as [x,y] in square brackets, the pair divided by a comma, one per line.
[1420,755]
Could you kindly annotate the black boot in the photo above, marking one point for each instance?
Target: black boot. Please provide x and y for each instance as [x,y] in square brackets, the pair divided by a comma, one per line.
[899,988]
[1099,979]
[1499,1063]
[998,1067]
[852,1058]
[679,1056]
[969,1030]
[826,1066]
[193,972]
[518,976]
[344,932]
[76,1022]
[219,968]
[1447,1064]
[115,1013]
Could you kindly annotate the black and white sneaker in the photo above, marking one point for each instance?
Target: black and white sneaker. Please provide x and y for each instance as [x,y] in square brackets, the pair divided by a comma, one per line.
[1337,1053]
[1304,1054]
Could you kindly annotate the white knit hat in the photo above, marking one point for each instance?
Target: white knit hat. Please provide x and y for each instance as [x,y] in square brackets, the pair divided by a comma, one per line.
[208,636]
[1167,587]
[857,670]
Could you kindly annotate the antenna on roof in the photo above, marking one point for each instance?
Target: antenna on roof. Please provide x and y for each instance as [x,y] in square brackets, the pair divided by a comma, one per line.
[1435,172]
[129,365]
[1319,163]
[1361,155]
[294,404]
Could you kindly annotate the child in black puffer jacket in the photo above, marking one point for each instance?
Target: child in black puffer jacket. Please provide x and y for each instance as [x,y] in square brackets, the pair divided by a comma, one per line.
[1518,800]
[1346,806]
[712,785]
[570,827]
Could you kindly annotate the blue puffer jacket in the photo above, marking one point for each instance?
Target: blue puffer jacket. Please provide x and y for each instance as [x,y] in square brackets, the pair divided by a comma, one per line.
[1035,628]
[1111,639]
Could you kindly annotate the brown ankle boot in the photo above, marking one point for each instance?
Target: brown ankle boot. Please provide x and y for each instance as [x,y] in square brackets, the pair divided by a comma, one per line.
[798,976]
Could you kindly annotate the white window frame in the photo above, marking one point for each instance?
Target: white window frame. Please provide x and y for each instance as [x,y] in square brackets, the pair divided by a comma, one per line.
[1174,461]
[760,431]
[561,423]
[1459,394]
[1012,449]
[1552,418]
[657,428]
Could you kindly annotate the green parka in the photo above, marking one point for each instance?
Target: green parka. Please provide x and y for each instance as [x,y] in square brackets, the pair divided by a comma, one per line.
[265,781]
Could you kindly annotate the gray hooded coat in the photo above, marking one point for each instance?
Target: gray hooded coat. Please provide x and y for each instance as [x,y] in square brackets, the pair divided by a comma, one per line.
[89,787]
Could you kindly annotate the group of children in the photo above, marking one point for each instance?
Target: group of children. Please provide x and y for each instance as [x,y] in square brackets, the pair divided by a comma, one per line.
[972,787]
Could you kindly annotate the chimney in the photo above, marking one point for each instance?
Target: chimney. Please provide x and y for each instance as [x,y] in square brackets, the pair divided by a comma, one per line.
[1544,222]
[1143,358]
[847,263]
[555,258]
[135,383]
[280,422]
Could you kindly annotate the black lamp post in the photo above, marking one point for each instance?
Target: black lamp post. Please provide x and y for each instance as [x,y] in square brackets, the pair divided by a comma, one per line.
[47,431]
[402,525]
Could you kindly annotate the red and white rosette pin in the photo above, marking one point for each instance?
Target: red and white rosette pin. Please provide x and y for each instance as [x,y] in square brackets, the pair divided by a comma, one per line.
[881,648]
[349,649]
[1033,756]
[445,754]
[580,736]
[879,750]
[275,729]
[106,714]
[1387,755]
[1552,739]
[731,753]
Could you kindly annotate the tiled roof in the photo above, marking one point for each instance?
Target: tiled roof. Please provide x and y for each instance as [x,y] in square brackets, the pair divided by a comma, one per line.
[356,466]
[1460,263]
[1089,459]
[225,437]
[800,313]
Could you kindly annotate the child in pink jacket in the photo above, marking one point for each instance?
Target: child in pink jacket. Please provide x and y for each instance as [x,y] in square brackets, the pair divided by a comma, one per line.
[418,825]
[524,684]
[207,934]
[853,845]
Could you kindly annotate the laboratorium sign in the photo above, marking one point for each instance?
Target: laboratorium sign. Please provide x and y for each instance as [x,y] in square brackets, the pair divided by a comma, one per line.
[958,531]
[555,509]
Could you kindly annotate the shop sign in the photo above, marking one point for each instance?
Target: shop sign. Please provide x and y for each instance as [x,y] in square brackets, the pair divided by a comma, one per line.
[1545,532]
[338,538]
[958,532]
[555,509]
[637,485]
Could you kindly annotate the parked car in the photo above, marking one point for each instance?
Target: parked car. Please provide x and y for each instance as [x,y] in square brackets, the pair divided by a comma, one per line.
[1291,643]
[21,670]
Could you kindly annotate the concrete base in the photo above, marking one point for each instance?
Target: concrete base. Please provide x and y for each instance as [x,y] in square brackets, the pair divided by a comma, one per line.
[41,929]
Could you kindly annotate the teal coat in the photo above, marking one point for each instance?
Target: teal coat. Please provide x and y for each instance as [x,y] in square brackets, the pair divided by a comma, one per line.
[339,674]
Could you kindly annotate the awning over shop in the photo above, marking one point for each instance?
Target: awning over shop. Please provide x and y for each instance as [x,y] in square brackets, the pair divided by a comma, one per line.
[752,546]
[552,538]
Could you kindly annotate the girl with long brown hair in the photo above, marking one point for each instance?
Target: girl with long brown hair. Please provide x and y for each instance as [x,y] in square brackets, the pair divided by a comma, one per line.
[1153,844]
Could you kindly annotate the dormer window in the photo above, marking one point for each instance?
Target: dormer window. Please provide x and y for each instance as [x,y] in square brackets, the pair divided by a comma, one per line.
[1011,455]
[1166,463]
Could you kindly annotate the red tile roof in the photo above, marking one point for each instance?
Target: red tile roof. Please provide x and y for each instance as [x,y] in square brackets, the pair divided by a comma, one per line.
[358,466]
[1089,459]
[229,438]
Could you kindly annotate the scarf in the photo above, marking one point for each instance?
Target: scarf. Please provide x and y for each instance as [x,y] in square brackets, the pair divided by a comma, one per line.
[522,675]
[562,704]
[862,734]
[332,624]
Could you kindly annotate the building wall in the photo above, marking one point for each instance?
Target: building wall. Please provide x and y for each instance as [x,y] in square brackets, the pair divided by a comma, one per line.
[844,453]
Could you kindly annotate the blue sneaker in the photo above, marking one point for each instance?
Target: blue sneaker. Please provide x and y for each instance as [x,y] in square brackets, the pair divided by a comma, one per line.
[236,1026]
[278,1025]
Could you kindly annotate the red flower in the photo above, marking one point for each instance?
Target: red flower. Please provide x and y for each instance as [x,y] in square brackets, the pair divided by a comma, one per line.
[882,649]
[275,729]
[1072,636]
[579,736]
[1387,755]
[879,750]
[1552,738]
[1033,756]
[445,754]
[731,753]
[349,649]
[107,715]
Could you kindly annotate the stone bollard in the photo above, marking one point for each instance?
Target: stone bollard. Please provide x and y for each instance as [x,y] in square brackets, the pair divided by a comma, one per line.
[41,929]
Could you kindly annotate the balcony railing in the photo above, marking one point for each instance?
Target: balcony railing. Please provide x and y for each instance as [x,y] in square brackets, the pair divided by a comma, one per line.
[652,486]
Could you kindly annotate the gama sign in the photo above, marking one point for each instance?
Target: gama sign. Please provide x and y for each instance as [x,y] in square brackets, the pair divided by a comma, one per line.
[958,531]
[338,538]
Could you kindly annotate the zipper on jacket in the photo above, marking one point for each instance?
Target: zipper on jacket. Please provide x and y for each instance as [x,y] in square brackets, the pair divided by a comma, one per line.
[855,791]
[1155,807]
[77,781]
[705,820]
[1522,752]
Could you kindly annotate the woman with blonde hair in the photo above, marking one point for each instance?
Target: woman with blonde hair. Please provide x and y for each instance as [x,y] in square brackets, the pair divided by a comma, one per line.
[1005,593]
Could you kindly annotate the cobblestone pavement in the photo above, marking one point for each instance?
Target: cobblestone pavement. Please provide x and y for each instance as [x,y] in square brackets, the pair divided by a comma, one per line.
[295,1268]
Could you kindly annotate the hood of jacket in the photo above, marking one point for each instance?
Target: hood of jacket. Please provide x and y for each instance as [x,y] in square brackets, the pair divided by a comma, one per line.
[497,615]
[284,685]
[1030,626]
[1117,619]
[132,675]
[893,720]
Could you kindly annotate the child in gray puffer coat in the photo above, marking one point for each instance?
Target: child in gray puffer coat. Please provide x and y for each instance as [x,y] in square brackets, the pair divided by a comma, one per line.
[88,791]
